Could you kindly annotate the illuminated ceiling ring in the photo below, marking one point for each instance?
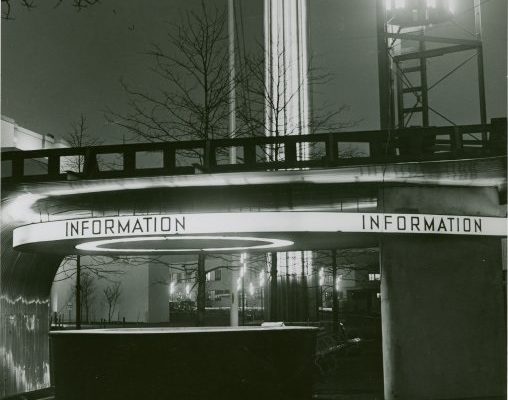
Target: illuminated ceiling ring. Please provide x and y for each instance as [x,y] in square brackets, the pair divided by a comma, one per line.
[101,245]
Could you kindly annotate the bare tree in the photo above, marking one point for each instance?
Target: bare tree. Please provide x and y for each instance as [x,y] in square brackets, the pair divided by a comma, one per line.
[78,136]
[85,274]
[193,97]
[112,294]
[192,68]
[266,99]
[192,71]
[30,4]
[97,267]
[86,290]
[343,265]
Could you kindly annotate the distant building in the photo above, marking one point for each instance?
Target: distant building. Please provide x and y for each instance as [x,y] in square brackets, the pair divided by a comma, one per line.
[15,137]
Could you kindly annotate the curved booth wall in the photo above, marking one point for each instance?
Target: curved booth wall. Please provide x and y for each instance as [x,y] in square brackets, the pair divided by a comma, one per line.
[25,284]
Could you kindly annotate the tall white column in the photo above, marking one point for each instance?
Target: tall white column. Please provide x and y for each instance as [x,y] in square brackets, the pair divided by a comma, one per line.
[286,69]
[232,77]
[287,98]
[233,313]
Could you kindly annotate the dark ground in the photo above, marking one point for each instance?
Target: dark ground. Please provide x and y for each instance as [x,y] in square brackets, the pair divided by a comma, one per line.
[355,374]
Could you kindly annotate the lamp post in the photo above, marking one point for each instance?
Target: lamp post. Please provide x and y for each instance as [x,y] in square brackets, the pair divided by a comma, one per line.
[243,268]
[78,291]
[171,297]
[321,283]
[335,300]
[233,315]
[261,290]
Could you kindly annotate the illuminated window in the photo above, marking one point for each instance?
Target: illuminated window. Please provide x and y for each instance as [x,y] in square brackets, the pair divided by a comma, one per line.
[213,275]
[374,277]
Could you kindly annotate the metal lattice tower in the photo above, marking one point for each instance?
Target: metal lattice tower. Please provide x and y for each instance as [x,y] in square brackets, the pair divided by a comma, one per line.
[404,49]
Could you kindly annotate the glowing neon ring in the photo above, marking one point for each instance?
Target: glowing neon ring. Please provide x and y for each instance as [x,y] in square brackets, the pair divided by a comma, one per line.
[269,243]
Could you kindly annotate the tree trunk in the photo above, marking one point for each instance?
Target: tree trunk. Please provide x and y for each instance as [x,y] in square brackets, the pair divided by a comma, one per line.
[273,288]
[78,292]
[335,299]
[201,298]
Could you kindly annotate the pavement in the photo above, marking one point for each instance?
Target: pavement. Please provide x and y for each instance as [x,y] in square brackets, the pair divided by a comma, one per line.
[354,375]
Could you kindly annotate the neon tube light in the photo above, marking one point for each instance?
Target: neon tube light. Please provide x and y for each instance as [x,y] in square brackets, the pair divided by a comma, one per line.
[98,246]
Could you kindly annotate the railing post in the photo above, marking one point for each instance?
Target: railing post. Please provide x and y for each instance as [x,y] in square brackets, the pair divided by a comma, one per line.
[129,161]
[290,150]
[331,149]
[389,143]
[209,155]
[249,153]
[54,166]
[169,158]
[377,148]
[18,167]
[497,140]
[456,141]
[90,166]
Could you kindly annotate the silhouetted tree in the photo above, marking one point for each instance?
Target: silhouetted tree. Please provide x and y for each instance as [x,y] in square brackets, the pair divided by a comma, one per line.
[112,293]
[86,292]
[78,136]
[192,71]
[266,97]
[30,4]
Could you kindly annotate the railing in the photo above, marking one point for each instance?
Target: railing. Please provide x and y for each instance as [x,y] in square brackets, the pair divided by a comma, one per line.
[256,153]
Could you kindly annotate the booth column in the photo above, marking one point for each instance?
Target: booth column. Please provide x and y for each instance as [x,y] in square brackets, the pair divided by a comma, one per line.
[444,334]
[233,315]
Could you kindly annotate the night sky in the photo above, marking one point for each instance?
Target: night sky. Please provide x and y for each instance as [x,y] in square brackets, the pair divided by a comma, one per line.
[58,63]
